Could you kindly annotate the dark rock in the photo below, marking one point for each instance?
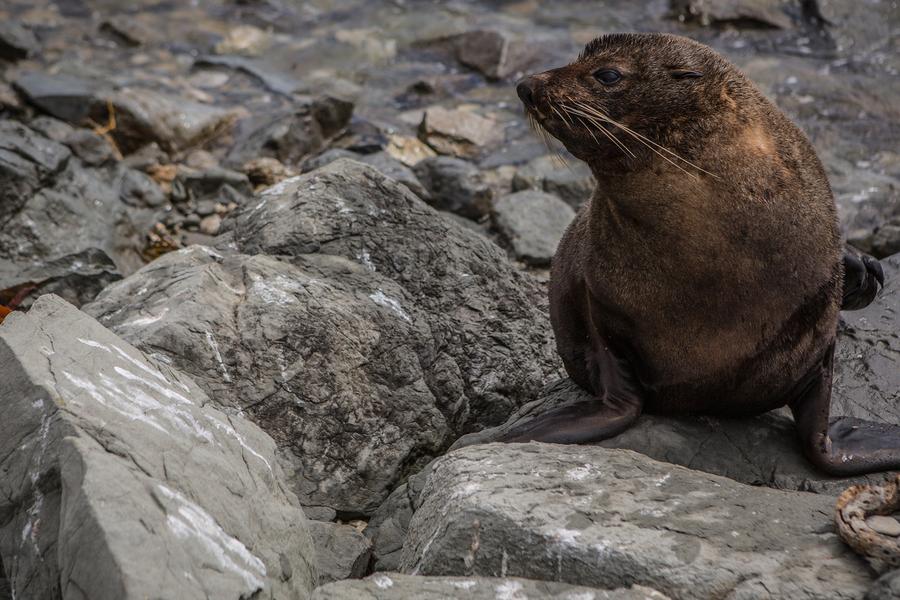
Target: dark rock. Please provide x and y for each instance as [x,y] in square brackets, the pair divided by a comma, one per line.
[77,278]
[210,183]
[886,588]
[532,223]
[116,468]
[740,13]
[395,586]
[866,377]
[389,525]
[610,518]
[572,182]
[342,552]
[27,161]
[289,136]
[328,157]
[363,137]
[374,324]
[127,30]
[91,148]
[455,185]
[65,97]
[139,190]
[16,41]
[276,81]
[886,239]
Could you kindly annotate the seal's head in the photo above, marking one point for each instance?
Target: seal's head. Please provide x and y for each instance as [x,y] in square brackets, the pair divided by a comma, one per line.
[627,92]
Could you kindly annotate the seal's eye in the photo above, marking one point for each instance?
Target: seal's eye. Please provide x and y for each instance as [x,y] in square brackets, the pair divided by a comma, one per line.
[607,76]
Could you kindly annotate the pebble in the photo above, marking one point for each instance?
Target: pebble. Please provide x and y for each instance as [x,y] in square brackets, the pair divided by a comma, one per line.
[884,525]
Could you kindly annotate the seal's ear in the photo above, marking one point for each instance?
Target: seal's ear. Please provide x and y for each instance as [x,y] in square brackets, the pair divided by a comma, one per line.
[685,74]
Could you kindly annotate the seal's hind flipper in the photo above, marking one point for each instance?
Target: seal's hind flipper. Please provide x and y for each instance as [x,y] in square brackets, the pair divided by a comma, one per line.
[841,446]
[863,276]
[618,404]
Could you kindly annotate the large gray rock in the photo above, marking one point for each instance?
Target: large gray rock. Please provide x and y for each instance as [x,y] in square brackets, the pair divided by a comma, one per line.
[395,586]
[367,355]
[612,518]
[118,479]
[532,223]
[342,552]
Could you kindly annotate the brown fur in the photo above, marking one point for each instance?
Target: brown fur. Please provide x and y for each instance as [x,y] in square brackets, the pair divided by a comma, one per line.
[720,288]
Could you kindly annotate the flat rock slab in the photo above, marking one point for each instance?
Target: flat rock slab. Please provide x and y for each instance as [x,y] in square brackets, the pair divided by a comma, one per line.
[119,480]
[614,518]
[394,586]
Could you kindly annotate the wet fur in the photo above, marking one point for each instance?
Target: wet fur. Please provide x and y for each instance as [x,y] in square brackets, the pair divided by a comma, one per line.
[721,291]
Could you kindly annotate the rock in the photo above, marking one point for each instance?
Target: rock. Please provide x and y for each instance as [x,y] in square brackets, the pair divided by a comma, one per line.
[388,526]
[45,196]
[328,157]
[363,137]
[77,278]
[376,325]
[395,586]
[91,148]
[572,183]
[455,185]
[276,81]
[458,132]
[289,136]
[886,588]
[51,127]
[9,100]
[612,518]
[760,450]
[65,97]
[408,150]
[127,31]
[265,171]
[144,116]
[740,13]
[16,41]
[210,225]
[139,190]
[342,552]
[246,40]
[382,161]
[532,223]
[27,161]
[116,468]
[886,239]
[866,378]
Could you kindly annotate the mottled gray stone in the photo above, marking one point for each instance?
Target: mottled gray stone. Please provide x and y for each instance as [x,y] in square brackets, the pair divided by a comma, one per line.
[16,41]
[455,185]
[611,518]
[532,223]
[367,355]
[396,586]
[886,588]
[120,480]
[342,552]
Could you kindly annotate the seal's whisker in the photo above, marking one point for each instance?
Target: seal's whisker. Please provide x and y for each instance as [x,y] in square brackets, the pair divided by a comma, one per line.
[599,124]
[640,137]
[644,141]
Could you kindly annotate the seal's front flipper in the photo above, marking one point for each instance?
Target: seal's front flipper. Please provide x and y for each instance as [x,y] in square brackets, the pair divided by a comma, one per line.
[842,446]
[617,405]
[863,276]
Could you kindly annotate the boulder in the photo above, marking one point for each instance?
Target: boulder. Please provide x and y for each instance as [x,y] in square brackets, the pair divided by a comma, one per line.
[342,552]
[366,349]
[455,185]
[396,586]
[121,480]
[532,223]
[614,518]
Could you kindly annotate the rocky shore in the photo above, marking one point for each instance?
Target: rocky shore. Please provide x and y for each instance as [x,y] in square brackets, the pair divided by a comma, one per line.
[282,271]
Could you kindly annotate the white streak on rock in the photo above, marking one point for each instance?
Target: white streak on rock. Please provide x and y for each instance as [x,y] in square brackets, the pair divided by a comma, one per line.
[215,348]
[383,582]
[379,297]
[190,521]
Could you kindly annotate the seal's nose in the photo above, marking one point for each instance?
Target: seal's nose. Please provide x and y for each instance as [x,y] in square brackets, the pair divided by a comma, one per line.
[525,89]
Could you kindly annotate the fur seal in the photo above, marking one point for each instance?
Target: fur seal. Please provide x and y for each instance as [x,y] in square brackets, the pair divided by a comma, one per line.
[706,273]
